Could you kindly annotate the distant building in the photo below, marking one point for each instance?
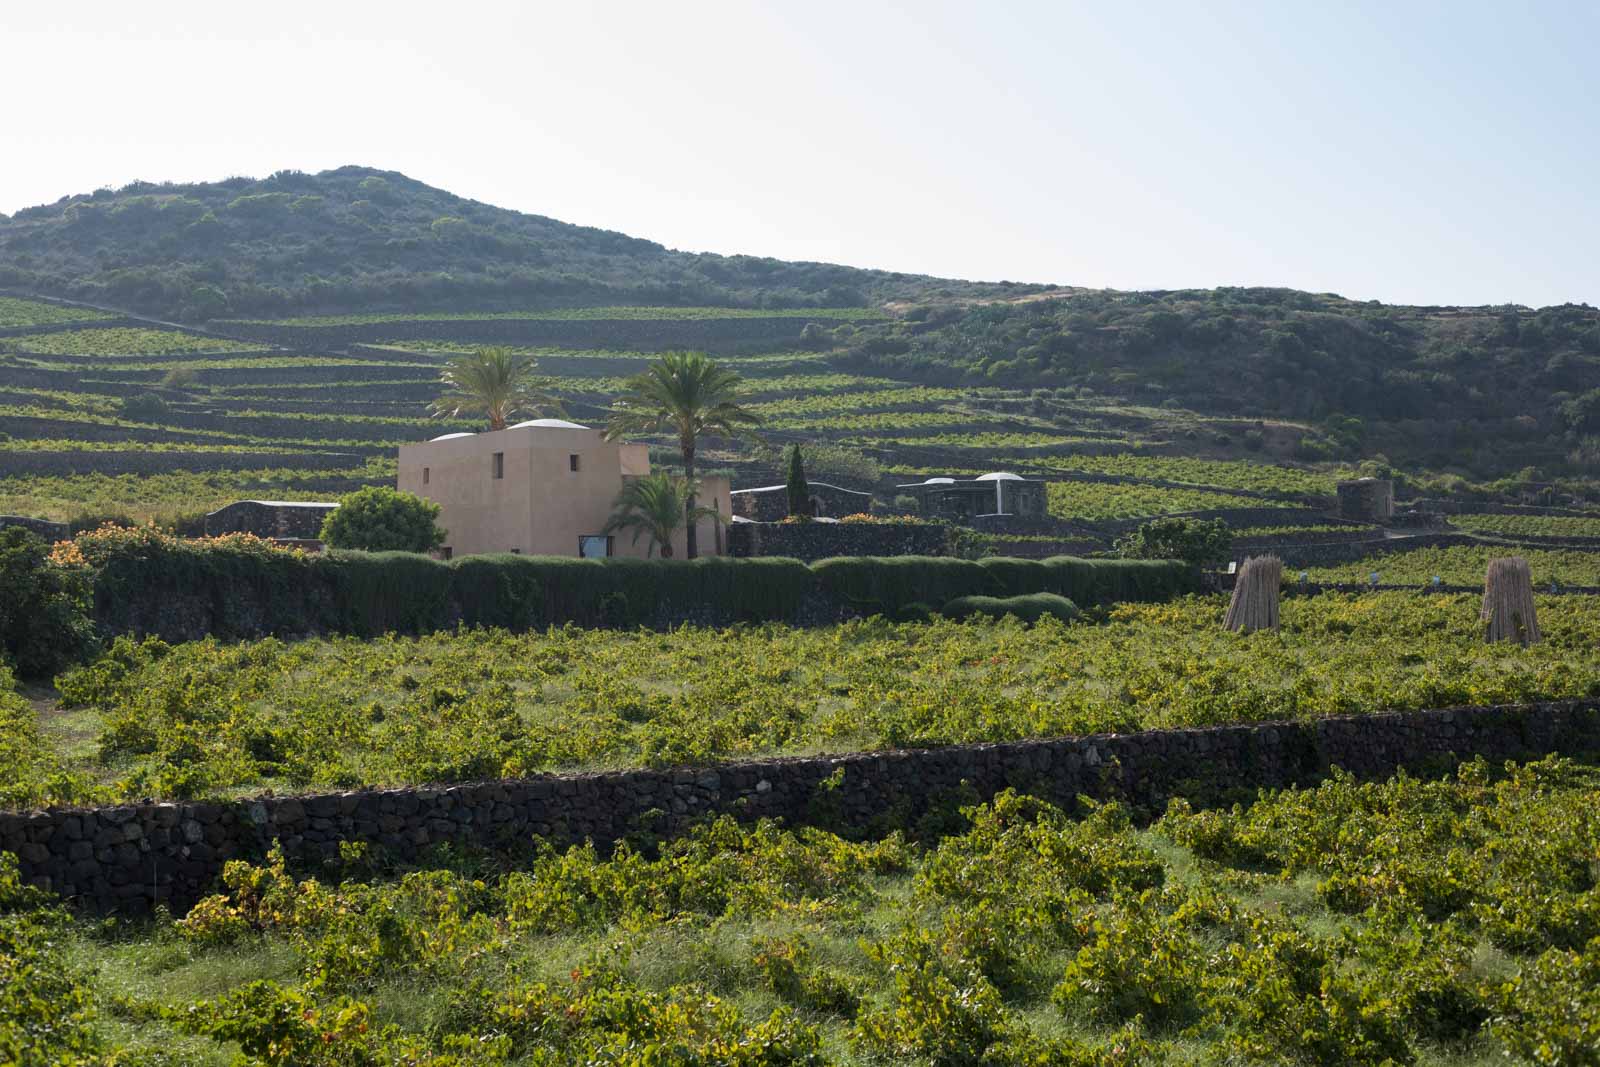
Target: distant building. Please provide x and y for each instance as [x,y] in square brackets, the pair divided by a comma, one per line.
[1366,499]
[543,487]
[279,520]
[965,499]
[770,503]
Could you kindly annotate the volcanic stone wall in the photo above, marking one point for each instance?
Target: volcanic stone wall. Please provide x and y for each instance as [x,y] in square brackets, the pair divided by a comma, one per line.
[129,858]
[825,540]
[647,335]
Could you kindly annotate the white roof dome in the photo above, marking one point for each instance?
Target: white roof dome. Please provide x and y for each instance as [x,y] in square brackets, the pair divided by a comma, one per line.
[549,424]
[453,436]
[998,476]
[940,481]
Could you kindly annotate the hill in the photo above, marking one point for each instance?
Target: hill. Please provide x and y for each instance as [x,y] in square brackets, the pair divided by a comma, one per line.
[359,239]
[1482,388]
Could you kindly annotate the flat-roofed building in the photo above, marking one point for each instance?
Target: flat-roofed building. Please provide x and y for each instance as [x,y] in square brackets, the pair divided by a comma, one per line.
[544,487]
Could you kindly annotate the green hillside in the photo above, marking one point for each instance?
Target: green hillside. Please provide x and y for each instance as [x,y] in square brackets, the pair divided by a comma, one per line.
[357,239]
[1488,389]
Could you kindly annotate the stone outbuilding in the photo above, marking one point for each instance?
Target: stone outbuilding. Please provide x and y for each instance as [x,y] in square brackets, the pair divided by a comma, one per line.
[770,503]
[278,520]
[966,499]
[1366,500]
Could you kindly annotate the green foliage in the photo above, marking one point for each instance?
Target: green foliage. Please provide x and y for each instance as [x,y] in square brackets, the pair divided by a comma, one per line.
[1030,607]
[762,945]
[1549,1013]
[15,312]
[380,519]
[656,506]
[498,383]
[795,487]
[331,713]
[47,1013]
[1197,542]
[44,609]
[145,407]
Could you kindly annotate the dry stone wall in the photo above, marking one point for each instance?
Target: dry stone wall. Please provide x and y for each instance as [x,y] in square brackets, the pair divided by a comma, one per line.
[130,858]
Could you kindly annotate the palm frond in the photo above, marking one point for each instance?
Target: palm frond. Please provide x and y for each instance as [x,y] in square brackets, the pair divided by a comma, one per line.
[497,383]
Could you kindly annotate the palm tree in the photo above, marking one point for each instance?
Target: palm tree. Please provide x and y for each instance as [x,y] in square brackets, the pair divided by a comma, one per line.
[657,505]
[496,382]
[686,394]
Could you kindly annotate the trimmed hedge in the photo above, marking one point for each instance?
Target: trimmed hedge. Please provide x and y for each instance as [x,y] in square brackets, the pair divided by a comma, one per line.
[891,584]
[1030,607]
[188,589]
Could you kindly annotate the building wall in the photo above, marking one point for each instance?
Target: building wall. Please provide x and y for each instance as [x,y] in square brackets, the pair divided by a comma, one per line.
[541,506]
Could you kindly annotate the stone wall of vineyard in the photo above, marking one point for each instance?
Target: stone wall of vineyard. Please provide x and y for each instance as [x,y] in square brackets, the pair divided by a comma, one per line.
[1240,517]
[135,462]
[1321,555]
[825,540]
[50,531]
[717,335]
[129,858]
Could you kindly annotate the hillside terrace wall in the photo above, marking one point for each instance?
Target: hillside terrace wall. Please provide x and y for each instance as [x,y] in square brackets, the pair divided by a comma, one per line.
[132,857]
[136,462]
[717,335]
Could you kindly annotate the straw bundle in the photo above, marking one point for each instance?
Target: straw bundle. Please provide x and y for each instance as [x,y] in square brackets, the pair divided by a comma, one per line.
[1255,595]
[1508,602]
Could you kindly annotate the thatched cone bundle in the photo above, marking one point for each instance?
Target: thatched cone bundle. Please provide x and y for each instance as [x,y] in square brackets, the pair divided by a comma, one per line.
[1255,595]
[1508,602]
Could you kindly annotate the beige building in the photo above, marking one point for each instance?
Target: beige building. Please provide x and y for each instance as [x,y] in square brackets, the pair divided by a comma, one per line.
[542,488]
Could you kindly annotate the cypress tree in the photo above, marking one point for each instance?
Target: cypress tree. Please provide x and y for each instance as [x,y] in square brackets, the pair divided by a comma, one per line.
[799,491]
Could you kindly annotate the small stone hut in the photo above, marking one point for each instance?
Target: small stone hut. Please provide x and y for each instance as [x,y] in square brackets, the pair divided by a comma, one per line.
[965,499]
[770,503]
[1366,500]
[282,520]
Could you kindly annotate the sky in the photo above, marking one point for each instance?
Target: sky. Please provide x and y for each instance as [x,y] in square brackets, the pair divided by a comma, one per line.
[1404,152]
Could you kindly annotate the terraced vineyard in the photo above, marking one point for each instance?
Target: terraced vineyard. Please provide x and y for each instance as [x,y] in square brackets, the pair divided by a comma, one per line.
[1529,525]
[160,422]
[320,714]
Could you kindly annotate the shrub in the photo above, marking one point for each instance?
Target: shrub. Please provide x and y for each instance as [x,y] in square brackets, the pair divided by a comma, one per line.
[44,609]
[1030,607]
[1197,542]
[380,519]
[145,407]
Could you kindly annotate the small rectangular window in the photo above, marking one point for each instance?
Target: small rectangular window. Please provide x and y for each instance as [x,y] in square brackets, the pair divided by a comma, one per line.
[499,464]
[516,551]
[594,546]
[446,552]
[425,473]
[572,462]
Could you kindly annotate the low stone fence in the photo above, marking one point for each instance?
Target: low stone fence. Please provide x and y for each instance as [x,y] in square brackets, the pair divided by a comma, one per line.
[647,335]
[50,531]
[825,540]
[129,858]
[1323,554]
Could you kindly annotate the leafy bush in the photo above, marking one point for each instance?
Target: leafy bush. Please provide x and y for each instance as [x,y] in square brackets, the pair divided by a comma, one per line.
[144,407]
[1198,542]
[380,519]
[1029,608]
[44,609]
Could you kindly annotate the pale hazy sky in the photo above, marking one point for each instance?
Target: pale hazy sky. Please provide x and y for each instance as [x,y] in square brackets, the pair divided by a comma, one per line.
[1431,153]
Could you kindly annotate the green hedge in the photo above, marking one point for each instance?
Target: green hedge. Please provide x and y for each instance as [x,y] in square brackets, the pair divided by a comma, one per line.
[891,584]
[1030,607]
[183,591]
